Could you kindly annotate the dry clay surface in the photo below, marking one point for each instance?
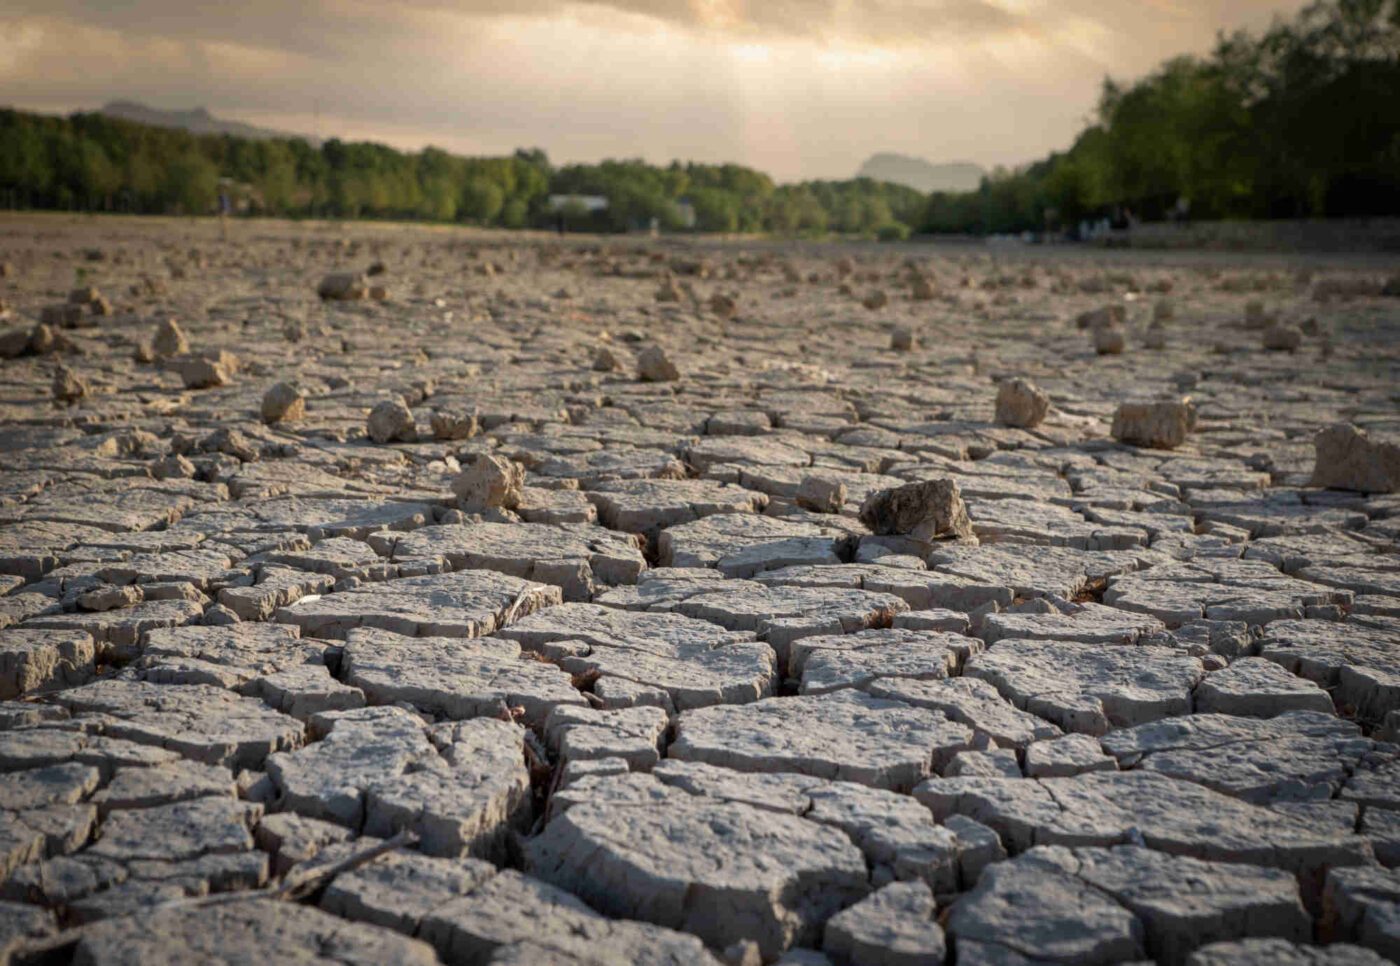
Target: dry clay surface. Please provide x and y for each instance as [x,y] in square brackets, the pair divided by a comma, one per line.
[372,594]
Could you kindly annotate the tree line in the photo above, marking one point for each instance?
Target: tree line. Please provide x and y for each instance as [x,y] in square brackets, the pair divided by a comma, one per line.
[1300,121]
[96,163]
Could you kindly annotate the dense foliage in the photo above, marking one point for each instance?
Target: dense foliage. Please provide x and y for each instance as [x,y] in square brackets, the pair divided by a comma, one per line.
[93,162]
[1301,121]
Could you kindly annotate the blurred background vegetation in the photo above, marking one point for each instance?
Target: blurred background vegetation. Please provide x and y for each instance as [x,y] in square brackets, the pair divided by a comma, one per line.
[1302,121]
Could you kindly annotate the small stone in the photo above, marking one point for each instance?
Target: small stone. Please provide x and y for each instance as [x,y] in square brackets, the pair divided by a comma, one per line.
[1021,403]
[489,481]
[1067,756]
[605,360]
[68,386]
[204,372]
[1282,338]
[1259,688]
[893,927]
[282,403]
[902,339]
[723,306]
[1349,459]
[653,365]
[454,425]
[877,299]
[821,495]
[1109,341]
[343,287]
[169,340]
[924,511]
[388,421]
[1158,425]
[108,597]
[173,467]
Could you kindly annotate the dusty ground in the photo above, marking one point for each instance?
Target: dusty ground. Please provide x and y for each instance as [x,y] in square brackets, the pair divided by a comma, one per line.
[651,707]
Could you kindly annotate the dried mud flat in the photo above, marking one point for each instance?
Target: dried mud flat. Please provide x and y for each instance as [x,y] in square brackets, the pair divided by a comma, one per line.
[513,603]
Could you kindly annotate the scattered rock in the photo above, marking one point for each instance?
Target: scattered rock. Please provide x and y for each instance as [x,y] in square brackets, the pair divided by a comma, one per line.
[1349,459]
[489,481]
[283,403]
[924,511]
[343,287]
[1021,403]
[1164,424]
[654,365]
[390,421]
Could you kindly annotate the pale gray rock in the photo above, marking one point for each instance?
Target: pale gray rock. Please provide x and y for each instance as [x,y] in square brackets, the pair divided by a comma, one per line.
[39,660]
[1034,910]
[1281,952]
[201,722]
[653,857]
[1358,659]
[1362,906]
[179,830]
[745,544]
[1090,688]
[512,918]
[972,702]
[1295,756]
[1067,756]
[401,889]
[163,785]
[1349,459]
[947,651]
[636,736]
[1259,688]
[453,678]
[647,506]
[239,932]
[1168,815]
[781,615]
[576,558]
[471,603]
[461,787]
[892,927]
[693,663]
[845,735]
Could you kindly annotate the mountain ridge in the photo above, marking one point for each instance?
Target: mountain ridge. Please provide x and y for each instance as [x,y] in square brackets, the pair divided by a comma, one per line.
[921,175]
[196,120]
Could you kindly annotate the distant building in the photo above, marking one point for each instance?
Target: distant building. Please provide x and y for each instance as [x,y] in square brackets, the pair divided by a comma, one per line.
[589,203]
[685,213]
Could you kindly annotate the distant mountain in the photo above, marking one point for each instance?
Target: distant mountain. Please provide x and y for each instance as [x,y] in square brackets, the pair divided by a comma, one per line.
[922,175]
[196,121]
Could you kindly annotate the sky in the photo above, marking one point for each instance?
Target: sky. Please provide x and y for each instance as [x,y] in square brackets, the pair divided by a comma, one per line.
[797,88]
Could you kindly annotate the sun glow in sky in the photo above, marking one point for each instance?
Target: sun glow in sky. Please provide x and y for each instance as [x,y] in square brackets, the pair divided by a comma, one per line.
[798,88]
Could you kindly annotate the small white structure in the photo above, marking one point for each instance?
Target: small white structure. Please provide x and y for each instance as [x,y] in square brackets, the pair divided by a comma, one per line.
[589,203]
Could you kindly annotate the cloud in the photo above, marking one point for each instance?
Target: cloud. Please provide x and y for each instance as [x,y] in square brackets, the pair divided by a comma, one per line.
[800,88]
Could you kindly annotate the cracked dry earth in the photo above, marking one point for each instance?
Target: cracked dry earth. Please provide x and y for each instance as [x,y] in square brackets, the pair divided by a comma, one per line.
[289,672]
